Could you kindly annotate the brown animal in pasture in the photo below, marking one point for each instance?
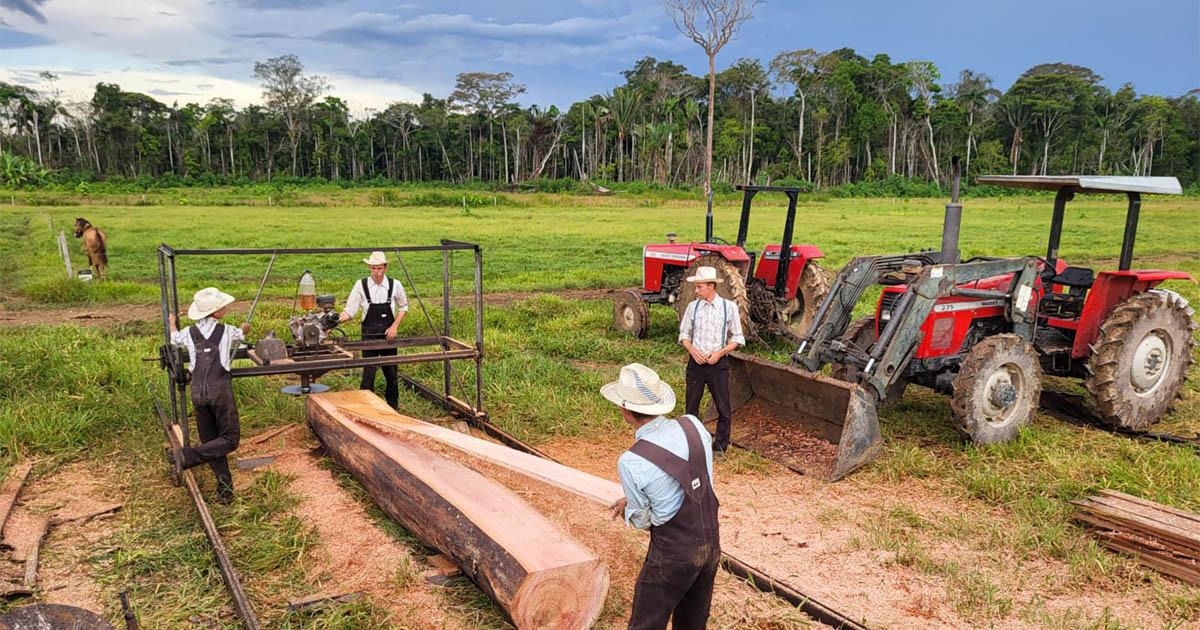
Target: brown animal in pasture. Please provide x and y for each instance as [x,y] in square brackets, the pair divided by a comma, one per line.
[95,245]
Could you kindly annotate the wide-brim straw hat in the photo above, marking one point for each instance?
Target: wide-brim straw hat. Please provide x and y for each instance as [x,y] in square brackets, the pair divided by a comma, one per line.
[208,301]
[639,389]
[706,274]
[376,258]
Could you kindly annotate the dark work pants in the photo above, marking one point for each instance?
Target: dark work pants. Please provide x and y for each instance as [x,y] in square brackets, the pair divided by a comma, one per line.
[220,431]
[675,584]
[716,378]
[392,387]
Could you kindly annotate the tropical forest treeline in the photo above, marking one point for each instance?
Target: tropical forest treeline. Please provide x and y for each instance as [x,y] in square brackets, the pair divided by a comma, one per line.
[824,119]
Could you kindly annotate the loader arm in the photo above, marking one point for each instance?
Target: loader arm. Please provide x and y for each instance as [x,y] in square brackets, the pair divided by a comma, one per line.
[885,360]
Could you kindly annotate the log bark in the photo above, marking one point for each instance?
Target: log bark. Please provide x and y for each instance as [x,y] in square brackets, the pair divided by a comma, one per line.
[367,408]
[538,575]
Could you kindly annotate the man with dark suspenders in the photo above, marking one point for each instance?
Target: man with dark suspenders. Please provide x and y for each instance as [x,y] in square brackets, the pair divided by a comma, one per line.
[710,329]
[667,479]
[384,305]
[210,346]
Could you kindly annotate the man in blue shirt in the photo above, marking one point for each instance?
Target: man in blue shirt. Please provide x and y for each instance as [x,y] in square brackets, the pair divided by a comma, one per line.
[667,478]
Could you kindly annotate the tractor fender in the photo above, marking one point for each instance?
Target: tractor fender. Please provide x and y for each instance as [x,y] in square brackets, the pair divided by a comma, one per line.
[1110,289]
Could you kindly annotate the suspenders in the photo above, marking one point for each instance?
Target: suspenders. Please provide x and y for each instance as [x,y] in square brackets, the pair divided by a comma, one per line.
[367,292]
[696,308]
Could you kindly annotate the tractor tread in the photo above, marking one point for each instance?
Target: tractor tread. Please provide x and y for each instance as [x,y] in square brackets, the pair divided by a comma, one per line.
[733,289]
[1107,393]
[975,366]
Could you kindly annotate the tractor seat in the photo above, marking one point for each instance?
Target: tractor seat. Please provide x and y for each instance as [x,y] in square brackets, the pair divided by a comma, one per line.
[1068,305]
[1075,277]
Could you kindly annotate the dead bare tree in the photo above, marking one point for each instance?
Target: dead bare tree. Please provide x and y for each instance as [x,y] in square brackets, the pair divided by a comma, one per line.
[711,24]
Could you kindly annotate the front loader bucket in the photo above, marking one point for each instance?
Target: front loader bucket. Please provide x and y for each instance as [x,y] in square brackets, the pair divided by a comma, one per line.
[785,413]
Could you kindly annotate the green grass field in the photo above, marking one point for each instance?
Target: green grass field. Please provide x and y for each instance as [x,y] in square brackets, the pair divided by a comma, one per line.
[70,392]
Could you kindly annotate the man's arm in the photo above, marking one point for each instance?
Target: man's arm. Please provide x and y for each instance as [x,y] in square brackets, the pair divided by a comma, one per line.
[685,334]
[400,299]
[637,505]
[353,303]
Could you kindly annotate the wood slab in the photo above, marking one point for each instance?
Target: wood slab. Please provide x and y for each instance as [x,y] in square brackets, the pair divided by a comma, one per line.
[367,408]
[536,573]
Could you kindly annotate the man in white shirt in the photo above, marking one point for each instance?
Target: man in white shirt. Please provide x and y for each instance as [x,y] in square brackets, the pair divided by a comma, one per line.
[210,346]
[710,329]
[384,304]
[667,479]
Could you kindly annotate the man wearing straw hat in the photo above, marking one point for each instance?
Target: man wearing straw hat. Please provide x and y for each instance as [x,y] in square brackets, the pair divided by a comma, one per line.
[710,329]
[667,479]
[384,304]
[210,346]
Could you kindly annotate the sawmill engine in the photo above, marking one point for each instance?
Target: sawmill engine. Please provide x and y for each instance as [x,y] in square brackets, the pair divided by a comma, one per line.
[311,328]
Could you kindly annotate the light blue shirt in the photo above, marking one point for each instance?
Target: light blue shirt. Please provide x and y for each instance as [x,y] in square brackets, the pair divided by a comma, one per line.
[654,497]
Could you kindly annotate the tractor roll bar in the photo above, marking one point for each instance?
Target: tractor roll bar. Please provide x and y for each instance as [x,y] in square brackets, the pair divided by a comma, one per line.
[789,226]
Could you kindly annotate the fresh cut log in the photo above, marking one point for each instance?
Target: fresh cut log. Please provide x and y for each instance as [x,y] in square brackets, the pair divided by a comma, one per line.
[536,573]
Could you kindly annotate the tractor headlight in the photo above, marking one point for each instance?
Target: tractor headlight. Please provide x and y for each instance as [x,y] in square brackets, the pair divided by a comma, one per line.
[885,316]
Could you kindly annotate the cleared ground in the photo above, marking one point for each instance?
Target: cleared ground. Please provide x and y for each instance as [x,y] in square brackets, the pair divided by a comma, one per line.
[936,532]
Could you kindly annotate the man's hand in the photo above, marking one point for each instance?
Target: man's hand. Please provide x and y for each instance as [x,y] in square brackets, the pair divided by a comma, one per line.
[390,333]
[245,327]
[173,321]
[617,510]
[697,356]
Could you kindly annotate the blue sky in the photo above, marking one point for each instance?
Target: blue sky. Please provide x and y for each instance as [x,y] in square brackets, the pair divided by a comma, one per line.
[374,52]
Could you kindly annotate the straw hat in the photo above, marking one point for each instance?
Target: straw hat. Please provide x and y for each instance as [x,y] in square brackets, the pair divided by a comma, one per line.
[208,301]
[706,274]
[376,258]
[639,389]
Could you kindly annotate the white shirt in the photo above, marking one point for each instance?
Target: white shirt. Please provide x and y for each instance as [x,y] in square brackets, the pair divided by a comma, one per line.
[652,496]
[206,326]
[379,295]
[705,318]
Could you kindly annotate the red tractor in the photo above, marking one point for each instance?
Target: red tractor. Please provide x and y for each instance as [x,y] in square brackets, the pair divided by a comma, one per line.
[984,331]
[779,295]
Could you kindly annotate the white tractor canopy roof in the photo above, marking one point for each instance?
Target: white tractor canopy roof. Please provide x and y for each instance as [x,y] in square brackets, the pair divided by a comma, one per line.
[1088,183]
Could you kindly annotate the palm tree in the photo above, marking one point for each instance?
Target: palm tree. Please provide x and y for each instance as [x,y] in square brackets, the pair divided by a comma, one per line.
[623,106]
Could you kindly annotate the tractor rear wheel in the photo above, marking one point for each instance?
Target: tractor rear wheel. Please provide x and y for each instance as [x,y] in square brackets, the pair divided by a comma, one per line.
[1141,358]
[810,292]
[861,334]
[733,288]
[997,389]
[630,314]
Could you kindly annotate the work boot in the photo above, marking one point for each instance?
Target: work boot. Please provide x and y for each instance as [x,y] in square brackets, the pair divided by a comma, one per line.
[224,492]
[189,458]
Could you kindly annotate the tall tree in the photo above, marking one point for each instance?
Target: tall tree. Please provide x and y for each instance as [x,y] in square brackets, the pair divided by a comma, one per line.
[710,24]
[795,68]
[288,91]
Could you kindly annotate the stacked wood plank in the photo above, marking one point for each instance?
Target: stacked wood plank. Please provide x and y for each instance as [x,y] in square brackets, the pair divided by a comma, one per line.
[1161,537]
[536,573]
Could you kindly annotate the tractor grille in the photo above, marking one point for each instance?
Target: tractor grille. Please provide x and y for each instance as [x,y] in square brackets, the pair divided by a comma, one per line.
[888,304]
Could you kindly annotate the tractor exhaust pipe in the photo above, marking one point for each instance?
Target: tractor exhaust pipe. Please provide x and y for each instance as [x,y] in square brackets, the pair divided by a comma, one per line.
[950,254]
[836,411]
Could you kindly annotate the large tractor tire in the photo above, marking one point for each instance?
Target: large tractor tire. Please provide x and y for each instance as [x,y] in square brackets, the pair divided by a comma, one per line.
[630,314]
[733,288]
[1141,358]
[810,292]
[997,389]
[861,334]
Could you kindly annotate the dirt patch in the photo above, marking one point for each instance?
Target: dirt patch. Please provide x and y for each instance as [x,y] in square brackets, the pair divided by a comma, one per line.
[64,570]
[100,316]
[353,554]
[884,551]
[21,313]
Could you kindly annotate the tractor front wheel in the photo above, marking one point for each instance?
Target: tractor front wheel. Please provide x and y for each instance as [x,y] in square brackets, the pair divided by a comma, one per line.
[732,288]
[1141,358]
[630,314]
[810,292]
[861,335]
[997,389]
